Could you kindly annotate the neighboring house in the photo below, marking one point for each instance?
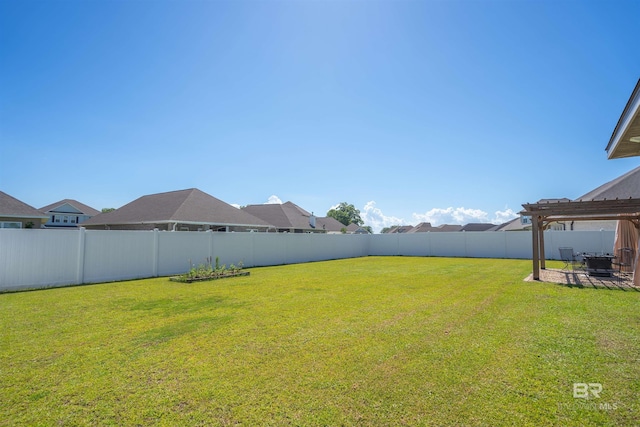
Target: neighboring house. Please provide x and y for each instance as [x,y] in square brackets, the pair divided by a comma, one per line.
[291,218]
[183,210]
[17,214]
[626,186]
[68,213]
[330,224]
[399,229]
[521,223]
[426,227]
[554,225]
[478,226]
[356,229]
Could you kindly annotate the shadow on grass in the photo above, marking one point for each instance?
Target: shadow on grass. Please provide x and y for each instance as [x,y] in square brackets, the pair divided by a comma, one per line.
[177,329]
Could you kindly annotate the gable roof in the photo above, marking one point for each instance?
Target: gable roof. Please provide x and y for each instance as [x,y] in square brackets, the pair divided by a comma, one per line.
[12,207]
[626,186]
[81,207]
[185,206]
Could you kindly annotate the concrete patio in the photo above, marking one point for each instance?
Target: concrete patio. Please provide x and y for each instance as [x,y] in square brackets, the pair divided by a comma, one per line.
[580,278]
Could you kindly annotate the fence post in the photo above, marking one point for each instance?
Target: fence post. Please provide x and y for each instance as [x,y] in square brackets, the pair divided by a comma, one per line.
[210,231]
[81,252]
[156,252]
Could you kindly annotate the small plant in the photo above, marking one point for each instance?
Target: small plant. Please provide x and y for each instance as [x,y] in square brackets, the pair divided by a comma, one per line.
[207,271]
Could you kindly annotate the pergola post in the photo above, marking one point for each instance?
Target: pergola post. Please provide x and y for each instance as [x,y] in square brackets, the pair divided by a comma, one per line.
[536,244]
[543,257]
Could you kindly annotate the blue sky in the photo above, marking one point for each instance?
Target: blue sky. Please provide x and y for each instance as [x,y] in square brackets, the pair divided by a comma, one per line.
[440,111]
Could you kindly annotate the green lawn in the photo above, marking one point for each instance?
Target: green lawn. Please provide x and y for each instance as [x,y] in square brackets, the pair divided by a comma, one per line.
[367,341]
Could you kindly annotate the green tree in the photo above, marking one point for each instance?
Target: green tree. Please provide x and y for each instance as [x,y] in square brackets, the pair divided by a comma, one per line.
[105,210]
[346,214]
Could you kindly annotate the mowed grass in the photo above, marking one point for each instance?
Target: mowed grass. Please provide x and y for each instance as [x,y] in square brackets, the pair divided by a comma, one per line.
[367,341]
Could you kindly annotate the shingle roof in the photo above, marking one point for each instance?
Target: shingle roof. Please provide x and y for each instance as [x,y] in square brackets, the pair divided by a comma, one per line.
[477,226]
[512,225]
[425,227]
[400,229]
[87,210]
[191,205]
[289,215]
[624,187]
[274,214]
[331,224]
[12,207]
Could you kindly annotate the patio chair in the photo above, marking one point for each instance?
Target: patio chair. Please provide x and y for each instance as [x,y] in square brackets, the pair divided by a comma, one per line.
[567,256]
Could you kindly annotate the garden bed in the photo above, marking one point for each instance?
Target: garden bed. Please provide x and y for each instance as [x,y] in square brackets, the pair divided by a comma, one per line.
[224,275]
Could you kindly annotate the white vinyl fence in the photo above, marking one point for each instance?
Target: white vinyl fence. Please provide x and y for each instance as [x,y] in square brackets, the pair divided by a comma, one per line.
[44,258]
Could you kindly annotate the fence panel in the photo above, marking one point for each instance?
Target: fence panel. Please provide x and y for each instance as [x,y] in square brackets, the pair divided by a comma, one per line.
[448,244]
[518,245]
[269,249]
[118,255]
[600,242]
[490,245]
[384,244]
[38,258]
[233,248]
[176,249]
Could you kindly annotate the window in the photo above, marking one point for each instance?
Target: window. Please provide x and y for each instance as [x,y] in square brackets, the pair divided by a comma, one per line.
[11,224]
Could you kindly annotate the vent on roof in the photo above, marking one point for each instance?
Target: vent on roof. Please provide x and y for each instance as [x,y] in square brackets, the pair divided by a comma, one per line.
[312,221]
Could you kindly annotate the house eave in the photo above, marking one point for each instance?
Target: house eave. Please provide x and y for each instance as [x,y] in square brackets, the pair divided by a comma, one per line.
[24,216]
[620,144]
[164,221]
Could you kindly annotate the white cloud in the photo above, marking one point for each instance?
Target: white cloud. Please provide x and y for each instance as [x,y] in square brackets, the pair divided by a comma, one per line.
[462,216]
[274,200]
[439,216]
[374,218]
[504,216]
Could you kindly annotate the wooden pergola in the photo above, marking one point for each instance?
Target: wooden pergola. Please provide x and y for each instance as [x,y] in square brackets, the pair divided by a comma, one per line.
[542,214]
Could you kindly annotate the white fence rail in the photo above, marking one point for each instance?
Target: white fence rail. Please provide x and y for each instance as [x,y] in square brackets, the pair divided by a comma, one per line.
[44,258]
